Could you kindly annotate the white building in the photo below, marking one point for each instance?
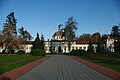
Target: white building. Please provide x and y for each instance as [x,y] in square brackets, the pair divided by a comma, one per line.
[110,44]
[59,44]
[25,46]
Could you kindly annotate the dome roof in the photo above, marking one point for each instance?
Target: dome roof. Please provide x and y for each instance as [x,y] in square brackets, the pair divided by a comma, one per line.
[58,33]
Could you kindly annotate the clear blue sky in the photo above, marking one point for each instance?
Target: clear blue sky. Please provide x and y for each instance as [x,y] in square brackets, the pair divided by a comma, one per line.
[43,16]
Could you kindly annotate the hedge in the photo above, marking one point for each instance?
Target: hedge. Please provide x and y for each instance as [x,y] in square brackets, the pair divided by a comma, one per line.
[38,52]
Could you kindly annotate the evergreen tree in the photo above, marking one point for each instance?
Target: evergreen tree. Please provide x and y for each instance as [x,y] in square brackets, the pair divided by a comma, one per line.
[11,23]
[42,42]
[37,43]
[115,31]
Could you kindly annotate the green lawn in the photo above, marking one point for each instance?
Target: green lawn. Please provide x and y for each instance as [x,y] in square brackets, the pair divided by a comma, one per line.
[9,62]
[104,60]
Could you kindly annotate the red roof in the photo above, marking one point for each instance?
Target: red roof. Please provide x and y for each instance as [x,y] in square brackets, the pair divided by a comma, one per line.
[81,42]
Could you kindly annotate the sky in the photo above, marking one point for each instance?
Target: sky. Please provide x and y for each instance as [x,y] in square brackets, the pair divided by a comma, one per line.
[44,16]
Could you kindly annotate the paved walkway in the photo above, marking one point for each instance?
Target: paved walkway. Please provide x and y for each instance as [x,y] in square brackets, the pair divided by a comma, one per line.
[62,67]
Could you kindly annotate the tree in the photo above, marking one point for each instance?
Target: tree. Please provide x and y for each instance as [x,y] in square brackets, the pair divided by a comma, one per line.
[24,34]
[42,42]
[115,31]
[9,33]
[104,38]
[90,47]
[37,43]
[99,45]
[95,37]
[69,31]
[117,45]
[115,34]
[11,23]
[85,37]
[1,36]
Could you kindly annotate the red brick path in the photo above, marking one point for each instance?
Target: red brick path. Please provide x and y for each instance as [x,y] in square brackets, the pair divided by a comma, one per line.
[12,75]
[111,73]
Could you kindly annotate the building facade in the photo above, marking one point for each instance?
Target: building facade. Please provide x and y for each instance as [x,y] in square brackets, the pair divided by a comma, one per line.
[113,43]
[58,44]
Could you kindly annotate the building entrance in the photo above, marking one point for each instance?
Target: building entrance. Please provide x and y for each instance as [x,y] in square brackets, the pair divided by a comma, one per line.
[59,49]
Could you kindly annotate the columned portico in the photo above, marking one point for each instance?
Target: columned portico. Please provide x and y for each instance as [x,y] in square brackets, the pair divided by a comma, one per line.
[58,47]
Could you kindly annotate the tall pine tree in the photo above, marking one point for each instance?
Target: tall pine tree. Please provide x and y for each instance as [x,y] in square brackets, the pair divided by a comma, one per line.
[42,42]
[37,43]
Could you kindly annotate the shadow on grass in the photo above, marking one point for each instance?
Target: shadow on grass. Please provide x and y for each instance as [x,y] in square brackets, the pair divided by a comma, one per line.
[3,77]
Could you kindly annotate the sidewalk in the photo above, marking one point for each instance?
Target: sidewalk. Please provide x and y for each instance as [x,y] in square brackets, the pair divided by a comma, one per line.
[108,72]
[12,75]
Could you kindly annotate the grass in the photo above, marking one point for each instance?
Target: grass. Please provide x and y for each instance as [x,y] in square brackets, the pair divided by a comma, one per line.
[9,62]
[107,60]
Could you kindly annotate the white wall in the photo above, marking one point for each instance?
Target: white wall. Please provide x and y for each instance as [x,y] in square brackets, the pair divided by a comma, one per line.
[110,44]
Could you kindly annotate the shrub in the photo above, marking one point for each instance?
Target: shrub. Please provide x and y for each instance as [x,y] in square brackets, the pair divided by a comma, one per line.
[38,52]
[3,51]
[21,52]
[77,52]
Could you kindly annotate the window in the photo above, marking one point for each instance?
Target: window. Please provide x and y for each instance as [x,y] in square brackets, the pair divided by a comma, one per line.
[72,47]
[76,47]
[80,47]
[84,47]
